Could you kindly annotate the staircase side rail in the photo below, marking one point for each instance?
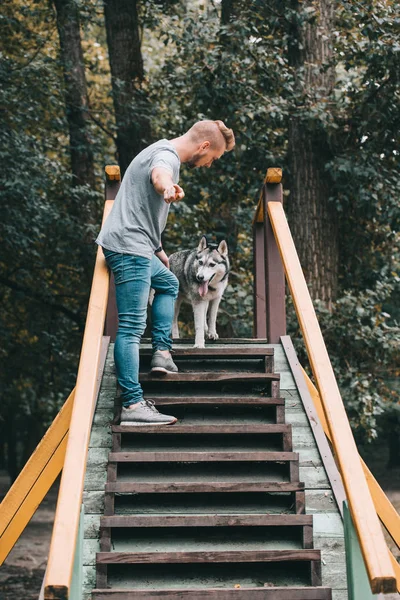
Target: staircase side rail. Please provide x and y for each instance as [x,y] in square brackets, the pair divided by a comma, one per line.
[384,508]
[65,530]
[34,481]
[373,546]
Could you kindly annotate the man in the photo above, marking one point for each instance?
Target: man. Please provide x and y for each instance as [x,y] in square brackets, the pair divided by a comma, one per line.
[131,242]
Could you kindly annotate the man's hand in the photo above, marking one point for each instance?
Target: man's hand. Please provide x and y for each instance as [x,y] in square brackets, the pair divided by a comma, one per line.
[163,184]
[173,193]
[163,257]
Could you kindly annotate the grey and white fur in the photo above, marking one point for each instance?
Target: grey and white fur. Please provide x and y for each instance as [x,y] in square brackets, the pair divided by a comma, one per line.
[203,277]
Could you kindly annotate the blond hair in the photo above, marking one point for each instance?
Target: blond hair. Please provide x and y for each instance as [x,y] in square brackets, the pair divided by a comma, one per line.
[212,131]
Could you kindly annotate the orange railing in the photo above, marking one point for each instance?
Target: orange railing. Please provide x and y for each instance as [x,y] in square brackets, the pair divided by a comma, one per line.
[63,544]
[373,546]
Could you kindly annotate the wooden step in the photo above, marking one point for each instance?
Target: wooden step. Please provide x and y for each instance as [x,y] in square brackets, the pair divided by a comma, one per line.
[221,342]
[242,400]
[181,428]
[134,487]
[212,520]
[214,352]
[195,457]
[233,556]
[260,410]
[209,376]
[159,504]
[240,593]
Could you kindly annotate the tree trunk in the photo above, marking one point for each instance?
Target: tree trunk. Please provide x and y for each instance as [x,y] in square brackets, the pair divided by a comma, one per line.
[227,11]
[127,75]
[313,220]
[76,97]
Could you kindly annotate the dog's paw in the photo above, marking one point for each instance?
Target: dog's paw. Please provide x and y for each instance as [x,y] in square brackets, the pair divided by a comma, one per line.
[213,335]
[200,345]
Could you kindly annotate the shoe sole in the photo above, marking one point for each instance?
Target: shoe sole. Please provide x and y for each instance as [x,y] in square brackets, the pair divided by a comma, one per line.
[162,370]
[140,424]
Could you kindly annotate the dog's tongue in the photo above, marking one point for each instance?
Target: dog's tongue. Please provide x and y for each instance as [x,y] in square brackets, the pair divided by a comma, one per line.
[203,288]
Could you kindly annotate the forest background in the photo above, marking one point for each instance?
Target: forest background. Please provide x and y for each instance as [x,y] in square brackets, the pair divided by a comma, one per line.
[310,86]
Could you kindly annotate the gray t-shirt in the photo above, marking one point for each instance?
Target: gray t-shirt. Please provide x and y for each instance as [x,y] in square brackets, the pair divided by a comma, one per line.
[139,213]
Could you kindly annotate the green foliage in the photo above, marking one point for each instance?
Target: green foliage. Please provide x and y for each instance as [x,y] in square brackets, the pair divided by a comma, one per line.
[244,74]
[46,235]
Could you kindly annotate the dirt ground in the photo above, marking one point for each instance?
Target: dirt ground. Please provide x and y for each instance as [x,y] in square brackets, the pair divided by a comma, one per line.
[22,573]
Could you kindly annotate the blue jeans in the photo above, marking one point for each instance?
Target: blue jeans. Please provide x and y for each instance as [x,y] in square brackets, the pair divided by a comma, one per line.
[134,275]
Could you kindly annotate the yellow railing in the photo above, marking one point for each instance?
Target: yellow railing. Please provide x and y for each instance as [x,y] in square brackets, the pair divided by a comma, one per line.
[384,508]
[62,550]
[34,481]
[373,546]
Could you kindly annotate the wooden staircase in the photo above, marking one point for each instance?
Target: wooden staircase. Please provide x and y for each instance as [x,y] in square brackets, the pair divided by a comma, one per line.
[211,507]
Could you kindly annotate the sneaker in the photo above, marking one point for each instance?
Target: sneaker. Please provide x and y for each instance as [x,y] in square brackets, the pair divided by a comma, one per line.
[145,413]
[162,364]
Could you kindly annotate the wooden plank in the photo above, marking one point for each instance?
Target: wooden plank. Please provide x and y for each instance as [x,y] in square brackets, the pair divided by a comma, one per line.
[385,509]
[39,473]
[232,556]
[209,486]
[274,272]
[260,315]
[357,577]
[178,429]
[201,376]
[211,520]
[213,399]
[36,463]
[77,575]
[241,593]
[315,424]
[30,503]
[210,343]
[221,352]
[112,185]
[195,457]
[374,549]
[65,530]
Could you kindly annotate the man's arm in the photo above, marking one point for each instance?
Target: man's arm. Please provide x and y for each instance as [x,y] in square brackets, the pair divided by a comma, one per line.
[164,185]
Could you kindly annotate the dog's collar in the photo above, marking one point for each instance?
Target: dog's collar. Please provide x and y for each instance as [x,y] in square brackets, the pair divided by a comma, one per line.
[211,288]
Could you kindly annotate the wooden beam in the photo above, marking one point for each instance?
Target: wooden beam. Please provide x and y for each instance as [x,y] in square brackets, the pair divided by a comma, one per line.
[111,188]
[228,556]
[260,306]
[250,593]
[29,475]
[170,487]
[165,456]
[274,271]
[315,424]
[373,545]
[29,504]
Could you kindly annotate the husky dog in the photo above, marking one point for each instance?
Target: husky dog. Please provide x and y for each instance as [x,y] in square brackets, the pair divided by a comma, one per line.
[203,277]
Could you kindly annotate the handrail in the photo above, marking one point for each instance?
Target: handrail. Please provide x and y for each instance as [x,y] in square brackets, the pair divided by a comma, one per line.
[63,543]
[373,546]
[384,508]
[34,481]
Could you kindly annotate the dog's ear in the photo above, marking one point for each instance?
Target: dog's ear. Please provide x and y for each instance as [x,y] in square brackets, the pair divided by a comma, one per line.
[203,244]
[223,248]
